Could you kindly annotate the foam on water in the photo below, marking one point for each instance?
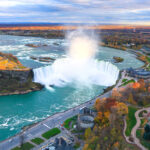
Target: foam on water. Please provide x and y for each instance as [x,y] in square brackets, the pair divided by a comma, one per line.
[80,65]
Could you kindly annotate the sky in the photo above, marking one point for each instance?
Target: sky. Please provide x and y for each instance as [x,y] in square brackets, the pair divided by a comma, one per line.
[76,11]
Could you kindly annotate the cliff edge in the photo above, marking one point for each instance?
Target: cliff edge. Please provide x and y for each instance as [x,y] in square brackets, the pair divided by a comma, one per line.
[14,77]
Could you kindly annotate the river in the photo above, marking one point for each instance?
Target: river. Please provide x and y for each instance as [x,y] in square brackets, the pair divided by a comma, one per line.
[17,111]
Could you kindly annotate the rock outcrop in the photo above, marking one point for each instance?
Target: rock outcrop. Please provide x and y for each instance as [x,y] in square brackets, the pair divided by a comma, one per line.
[14,77]
[118,59]
[17,82]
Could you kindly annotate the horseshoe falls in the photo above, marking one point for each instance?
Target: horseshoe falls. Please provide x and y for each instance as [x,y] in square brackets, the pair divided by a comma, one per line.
[79,67]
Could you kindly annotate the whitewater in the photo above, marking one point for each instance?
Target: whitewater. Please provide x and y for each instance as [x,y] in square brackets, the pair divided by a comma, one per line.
[80,65]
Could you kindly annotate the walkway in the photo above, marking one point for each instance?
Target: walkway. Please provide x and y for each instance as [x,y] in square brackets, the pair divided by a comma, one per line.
[136,127]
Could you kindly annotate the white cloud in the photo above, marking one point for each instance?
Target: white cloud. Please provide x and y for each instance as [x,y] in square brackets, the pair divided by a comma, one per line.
[81,1]
[76,10]
[8,3]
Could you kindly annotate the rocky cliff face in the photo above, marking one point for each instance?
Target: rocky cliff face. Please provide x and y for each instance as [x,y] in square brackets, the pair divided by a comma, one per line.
[14,77]
[17,82]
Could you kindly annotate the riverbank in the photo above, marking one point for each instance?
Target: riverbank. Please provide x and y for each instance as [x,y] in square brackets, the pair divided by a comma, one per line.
[56,120]
[22,92]
[14,82]
[35,101]
[53,121]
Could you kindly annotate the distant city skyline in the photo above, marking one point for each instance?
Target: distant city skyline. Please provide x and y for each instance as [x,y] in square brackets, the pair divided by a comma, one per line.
[76,11]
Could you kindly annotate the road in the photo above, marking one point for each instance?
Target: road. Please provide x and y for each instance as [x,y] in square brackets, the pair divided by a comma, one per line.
[38,129]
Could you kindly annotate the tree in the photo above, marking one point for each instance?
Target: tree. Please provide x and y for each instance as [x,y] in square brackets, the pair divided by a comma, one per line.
[130,99]
[110,102]
[146,135]
[85,146]
[87,133]
[136,85]
[95,129]
[115,94]
[99,115]
[98,147]
[122,109]
[142,85]
[107,114]
[97,104]
[149,89]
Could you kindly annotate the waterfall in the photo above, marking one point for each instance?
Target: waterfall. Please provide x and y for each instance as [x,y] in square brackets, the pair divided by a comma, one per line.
[63,72]
[80,65]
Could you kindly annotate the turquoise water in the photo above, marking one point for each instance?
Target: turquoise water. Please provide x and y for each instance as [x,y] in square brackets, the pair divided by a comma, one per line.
[17,111]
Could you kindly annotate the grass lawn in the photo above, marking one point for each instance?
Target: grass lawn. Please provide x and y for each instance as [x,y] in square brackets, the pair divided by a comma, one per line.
[145,143]
[25,146]
[131,120]
[68,121]
[124,80]
[148,105]
[148,59]
[143,122]
[16,148]
[51,133]
[127,82]
[37,141]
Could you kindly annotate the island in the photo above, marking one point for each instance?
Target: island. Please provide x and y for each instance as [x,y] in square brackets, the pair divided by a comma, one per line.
[14,77]
[118,59]
[36,45]
[43,59]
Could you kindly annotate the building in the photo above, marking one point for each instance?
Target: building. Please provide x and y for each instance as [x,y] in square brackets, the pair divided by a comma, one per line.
[60,143]
[138,73]
[86,118]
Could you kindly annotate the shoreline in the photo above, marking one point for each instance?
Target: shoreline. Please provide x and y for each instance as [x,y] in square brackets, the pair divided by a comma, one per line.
[33,125]
[20,92]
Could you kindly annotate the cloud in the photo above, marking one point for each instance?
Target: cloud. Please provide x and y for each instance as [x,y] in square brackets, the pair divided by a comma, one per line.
[97,11]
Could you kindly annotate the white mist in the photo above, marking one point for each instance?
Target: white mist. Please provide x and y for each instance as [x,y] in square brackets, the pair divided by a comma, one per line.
[80,66]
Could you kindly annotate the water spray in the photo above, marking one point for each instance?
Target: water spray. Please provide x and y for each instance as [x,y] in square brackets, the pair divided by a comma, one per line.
[80,65]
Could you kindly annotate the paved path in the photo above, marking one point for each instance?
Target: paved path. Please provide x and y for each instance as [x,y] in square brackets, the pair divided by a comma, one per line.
[135,128]
[124,132]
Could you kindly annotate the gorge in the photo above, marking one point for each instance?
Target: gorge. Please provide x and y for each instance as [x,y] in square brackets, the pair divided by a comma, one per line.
[80,65]
[14,77]
[35,106]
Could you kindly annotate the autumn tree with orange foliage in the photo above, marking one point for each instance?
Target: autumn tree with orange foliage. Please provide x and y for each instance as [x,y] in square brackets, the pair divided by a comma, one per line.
[136,85]
[149,89]
[107,131]
[122,109]
[110,102]
[131,100]
[142,85]
[116,94]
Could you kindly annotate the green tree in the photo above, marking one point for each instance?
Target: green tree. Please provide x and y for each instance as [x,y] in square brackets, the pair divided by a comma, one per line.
[87,133]
[98,147]
[130,99]
[146,135]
